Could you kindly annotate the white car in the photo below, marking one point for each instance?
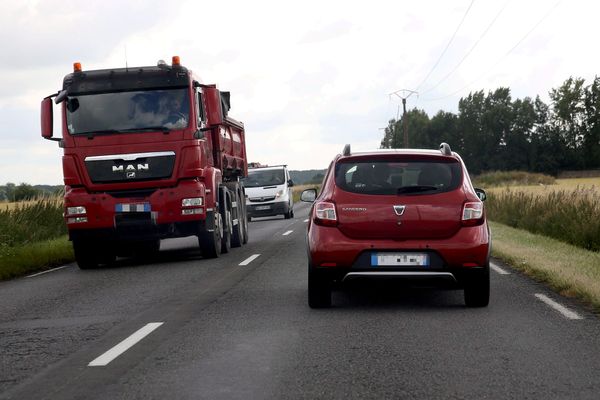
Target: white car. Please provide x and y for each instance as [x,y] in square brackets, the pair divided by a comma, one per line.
[269,192]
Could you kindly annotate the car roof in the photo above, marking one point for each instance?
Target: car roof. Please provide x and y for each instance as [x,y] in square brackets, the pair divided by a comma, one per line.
[383,153]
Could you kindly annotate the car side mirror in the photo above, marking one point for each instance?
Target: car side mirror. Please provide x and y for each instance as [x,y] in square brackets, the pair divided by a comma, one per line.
[308,195]
[290,183]
[481,194]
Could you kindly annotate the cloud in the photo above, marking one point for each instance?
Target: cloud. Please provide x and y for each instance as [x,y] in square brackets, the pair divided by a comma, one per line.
[305,78]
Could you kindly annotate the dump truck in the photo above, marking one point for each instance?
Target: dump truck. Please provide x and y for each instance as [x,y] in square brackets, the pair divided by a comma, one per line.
[149,153]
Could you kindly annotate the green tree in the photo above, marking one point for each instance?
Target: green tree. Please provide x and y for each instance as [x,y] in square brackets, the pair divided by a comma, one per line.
[25,192]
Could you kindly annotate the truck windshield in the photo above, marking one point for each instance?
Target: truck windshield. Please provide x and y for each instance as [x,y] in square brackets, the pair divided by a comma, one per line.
[132,111]
[269,177]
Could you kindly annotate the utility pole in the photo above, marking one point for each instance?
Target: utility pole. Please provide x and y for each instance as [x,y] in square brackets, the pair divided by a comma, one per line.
[404,94]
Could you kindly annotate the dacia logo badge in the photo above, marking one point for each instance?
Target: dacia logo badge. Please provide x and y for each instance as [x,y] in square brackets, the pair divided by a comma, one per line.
[399,210]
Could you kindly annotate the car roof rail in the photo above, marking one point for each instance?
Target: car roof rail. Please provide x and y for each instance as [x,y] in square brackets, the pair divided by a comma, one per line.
[445,149]
[346,151]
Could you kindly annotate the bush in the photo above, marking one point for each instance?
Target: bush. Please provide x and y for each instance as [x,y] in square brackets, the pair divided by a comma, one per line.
[30,223]
[512,178]
[570,216]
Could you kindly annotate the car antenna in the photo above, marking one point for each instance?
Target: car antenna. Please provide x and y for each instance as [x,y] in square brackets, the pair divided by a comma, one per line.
[445,149]
[346,151]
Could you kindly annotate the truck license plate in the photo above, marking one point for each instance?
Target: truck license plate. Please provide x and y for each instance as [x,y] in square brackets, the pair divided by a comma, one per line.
[137,207]
[400,259]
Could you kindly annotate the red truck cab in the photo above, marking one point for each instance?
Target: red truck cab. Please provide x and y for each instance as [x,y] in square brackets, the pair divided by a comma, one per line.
[149,153]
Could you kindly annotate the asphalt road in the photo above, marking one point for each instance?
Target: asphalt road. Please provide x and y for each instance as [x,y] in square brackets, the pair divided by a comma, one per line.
[219,330]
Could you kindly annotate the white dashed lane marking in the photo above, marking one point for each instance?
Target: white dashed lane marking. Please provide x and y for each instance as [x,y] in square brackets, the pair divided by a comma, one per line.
[249,259]
[558,307]
[125,345]
[287,233]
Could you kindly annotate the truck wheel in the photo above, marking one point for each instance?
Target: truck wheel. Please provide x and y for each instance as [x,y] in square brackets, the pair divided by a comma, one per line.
[236,223]
[244,221]
[227,225]
[319,289]
[210,242]
[91,255]
[477,288]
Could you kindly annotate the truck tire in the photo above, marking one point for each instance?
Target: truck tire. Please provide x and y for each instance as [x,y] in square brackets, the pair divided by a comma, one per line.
[210,242]
[90,255]
[244,220]
[237,222]
[477,288]
[227,225]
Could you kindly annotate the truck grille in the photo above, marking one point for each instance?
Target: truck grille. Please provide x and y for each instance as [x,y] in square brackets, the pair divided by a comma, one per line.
[130,167]
[261,199]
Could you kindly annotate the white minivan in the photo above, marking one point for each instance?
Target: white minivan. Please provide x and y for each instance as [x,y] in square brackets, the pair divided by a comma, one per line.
[269,192]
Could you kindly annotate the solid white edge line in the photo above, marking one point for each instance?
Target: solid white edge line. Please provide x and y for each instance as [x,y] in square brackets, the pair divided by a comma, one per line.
[558,307]
[287,233]
[249,259]
[45,272]
[499,270]
[122,347]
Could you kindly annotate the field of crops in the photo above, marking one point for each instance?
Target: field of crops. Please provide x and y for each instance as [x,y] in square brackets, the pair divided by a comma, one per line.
[568,210]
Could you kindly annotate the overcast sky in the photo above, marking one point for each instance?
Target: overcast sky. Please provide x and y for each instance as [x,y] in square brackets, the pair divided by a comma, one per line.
[305,77]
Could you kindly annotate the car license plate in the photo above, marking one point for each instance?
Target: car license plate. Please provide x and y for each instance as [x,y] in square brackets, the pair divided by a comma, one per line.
[260,208]
[139,207]
[400,260]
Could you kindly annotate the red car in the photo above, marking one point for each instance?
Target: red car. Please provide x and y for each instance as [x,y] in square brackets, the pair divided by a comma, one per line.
[400,214]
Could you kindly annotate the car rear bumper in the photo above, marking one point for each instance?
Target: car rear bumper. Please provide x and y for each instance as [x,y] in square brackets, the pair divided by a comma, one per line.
[330,249]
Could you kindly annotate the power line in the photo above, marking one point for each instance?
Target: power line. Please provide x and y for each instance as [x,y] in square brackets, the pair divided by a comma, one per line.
[470,50]
[448,45]
[501,58]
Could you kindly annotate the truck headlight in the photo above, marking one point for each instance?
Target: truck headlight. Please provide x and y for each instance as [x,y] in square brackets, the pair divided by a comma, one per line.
[192,202]
[79,210]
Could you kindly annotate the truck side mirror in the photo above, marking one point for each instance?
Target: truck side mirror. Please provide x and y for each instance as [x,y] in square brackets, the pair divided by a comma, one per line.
[47,122]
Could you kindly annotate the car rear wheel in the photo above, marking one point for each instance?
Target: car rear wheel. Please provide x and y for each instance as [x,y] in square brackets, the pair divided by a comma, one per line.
[319,289]
[477,288]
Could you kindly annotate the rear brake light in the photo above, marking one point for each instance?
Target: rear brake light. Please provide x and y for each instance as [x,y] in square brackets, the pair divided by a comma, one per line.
[325,214]
[472,213]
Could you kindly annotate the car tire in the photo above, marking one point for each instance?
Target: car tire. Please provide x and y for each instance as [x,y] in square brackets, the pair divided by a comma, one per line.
[477,288]
[319,289]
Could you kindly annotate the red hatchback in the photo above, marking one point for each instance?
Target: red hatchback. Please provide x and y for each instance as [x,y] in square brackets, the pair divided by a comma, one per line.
[401,214]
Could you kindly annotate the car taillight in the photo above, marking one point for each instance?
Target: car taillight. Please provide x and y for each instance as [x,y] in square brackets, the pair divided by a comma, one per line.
[325,214]
[472,213]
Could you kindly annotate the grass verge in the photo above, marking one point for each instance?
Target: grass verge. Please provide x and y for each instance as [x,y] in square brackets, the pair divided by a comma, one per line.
[24,259]
[570,270]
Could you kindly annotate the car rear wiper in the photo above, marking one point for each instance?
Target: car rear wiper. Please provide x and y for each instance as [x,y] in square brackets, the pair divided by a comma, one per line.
[416,189]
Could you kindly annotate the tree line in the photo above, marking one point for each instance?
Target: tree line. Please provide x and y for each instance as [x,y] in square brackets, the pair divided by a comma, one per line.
[24,191]
[492,131]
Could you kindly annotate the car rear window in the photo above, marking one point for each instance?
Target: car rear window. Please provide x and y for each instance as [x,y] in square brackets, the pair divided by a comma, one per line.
[414,177]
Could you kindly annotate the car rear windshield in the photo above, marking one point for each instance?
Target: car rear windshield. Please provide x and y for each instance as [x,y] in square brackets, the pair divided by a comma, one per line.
[412,177]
